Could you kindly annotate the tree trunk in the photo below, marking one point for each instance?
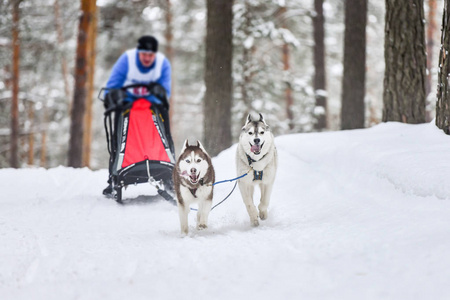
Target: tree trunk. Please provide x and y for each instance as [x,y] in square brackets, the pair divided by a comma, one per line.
[247,87]
[443,97]
[405,60]
[91,54]
[60,35]
[431,29]
[14,150]
[31,134]
[353,87]
[170,56]
[79,97]
[43,159]
[286,69]
[319,66]
[288,90]
[218,76]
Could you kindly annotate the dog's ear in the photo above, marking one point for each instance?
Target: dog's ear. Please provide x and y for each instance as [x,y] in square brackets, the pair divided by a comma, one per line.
[201,146]
[249,119]
[261,119]
[185,145]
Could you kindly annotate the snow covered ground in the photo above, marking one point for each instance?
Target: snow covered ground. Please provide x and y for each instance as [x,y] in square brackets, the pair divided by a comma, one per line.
[362,214]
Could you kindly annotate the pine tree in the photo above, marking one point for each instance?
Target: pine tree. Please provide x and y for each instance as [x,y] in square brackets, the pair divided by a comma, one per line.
[218,97]
[405,60]
[319,82]
[79,98]
[14,149]
[443,97]
[353,87]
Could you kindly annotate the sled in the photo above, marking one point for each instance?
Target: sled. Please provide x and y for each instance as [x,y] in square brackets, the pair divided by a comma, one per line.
[139,142]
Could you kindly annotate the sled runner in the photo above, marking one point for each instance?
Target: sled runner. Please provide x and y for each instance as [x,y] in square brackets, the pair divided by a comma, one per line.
[139,141]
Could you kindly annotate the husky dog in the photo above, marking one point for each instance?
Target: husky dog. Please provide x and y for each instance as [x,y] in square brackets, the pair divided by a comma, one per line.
[256,155]
[193,178]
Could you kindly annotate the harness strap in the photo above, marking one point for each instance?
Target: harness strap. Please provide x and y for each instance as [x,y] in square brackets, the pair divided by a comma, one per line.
[250,160]
[257,175]
[193,191]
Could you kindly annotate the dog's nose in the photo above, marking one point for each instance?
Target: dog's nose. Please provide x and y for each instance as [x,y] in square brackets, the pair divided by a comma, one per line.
[256,141]
[193,170]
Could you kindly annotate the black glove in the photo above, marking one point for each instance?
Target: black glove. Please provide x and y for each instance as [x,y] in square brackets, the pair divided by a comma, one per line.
[160,92]
[114,98]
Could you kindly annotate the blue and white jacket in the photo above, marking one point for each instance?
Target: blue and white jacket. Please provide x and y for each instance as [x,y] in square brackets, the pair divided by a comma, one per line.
[128,70]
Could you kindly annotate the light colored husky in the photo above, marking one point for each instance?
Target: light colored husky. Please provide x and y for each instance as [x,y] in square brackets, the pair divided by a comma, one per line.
[257,155]
[193,178]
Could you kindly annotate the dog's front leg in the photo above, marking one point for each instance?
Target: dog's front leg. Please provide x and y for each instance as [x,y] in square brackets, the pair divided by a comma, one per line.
[203,212]
[266,190]
[247,197]
[183,211]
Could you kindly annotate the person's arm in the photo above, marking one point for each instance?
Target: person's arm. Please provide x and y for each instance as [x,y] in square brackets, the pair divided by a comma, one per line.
[166,77]
[118,73]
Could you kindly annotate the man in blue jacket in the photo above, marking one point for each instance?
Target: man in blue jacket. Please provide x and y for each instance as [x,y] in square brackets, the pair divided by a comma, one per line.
[143,64]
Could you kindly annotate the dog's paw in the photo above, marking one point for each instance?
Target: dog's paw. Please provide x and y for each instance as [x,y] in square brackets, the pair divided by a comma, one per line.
[263,215]
[255,222]
[202,226]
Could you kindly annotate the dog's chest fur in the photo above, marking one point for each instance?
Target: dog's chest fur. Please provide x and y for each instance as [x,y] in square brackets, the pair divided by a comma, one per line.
[193,195]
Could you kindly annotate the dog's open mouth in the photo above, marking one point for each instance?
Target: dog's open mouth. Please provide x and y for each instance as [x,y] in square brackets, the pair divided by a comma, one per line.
[193,178]
[256,148]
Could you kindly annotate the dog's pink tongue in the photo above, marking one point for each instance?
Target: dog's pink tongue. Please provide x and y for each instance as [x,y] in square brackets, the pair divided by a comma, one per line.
[193,177]
[255,148]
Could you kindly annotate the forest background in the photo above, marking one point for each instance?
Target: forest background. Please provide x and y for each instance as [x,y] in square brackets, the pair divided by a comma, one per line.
[272,67]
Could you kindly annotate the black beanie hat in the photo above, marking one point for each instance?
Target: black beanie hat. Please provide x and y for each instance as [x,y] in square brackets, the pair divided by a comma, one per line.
[147,43]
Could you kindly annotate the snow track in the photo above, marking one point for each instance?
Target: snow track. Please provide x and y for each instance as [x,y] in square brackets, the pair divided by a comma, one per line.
[354,215]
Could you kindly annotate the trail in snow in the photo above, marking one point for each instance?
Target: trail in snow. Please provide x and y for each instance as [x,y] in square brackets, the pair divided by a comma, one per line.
[354,214]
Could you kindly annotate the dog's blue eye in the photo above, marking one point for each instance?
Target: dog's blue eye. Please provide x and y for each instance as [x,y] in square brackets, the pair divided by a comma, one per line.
[188,161]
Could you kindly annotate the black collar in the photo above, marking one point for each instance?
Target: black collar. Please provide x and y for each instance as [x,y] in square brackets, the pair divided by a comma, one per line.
[251,160]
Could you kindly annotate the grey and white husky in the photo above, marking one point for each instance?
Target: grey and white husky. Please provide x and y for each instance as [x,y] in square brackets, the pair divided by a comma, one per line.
[193,178]
[256,154]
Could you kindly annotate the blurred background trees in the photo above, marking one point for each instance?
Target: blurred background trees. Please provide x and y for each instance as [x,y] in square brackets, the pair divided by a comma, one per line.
[282,65]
